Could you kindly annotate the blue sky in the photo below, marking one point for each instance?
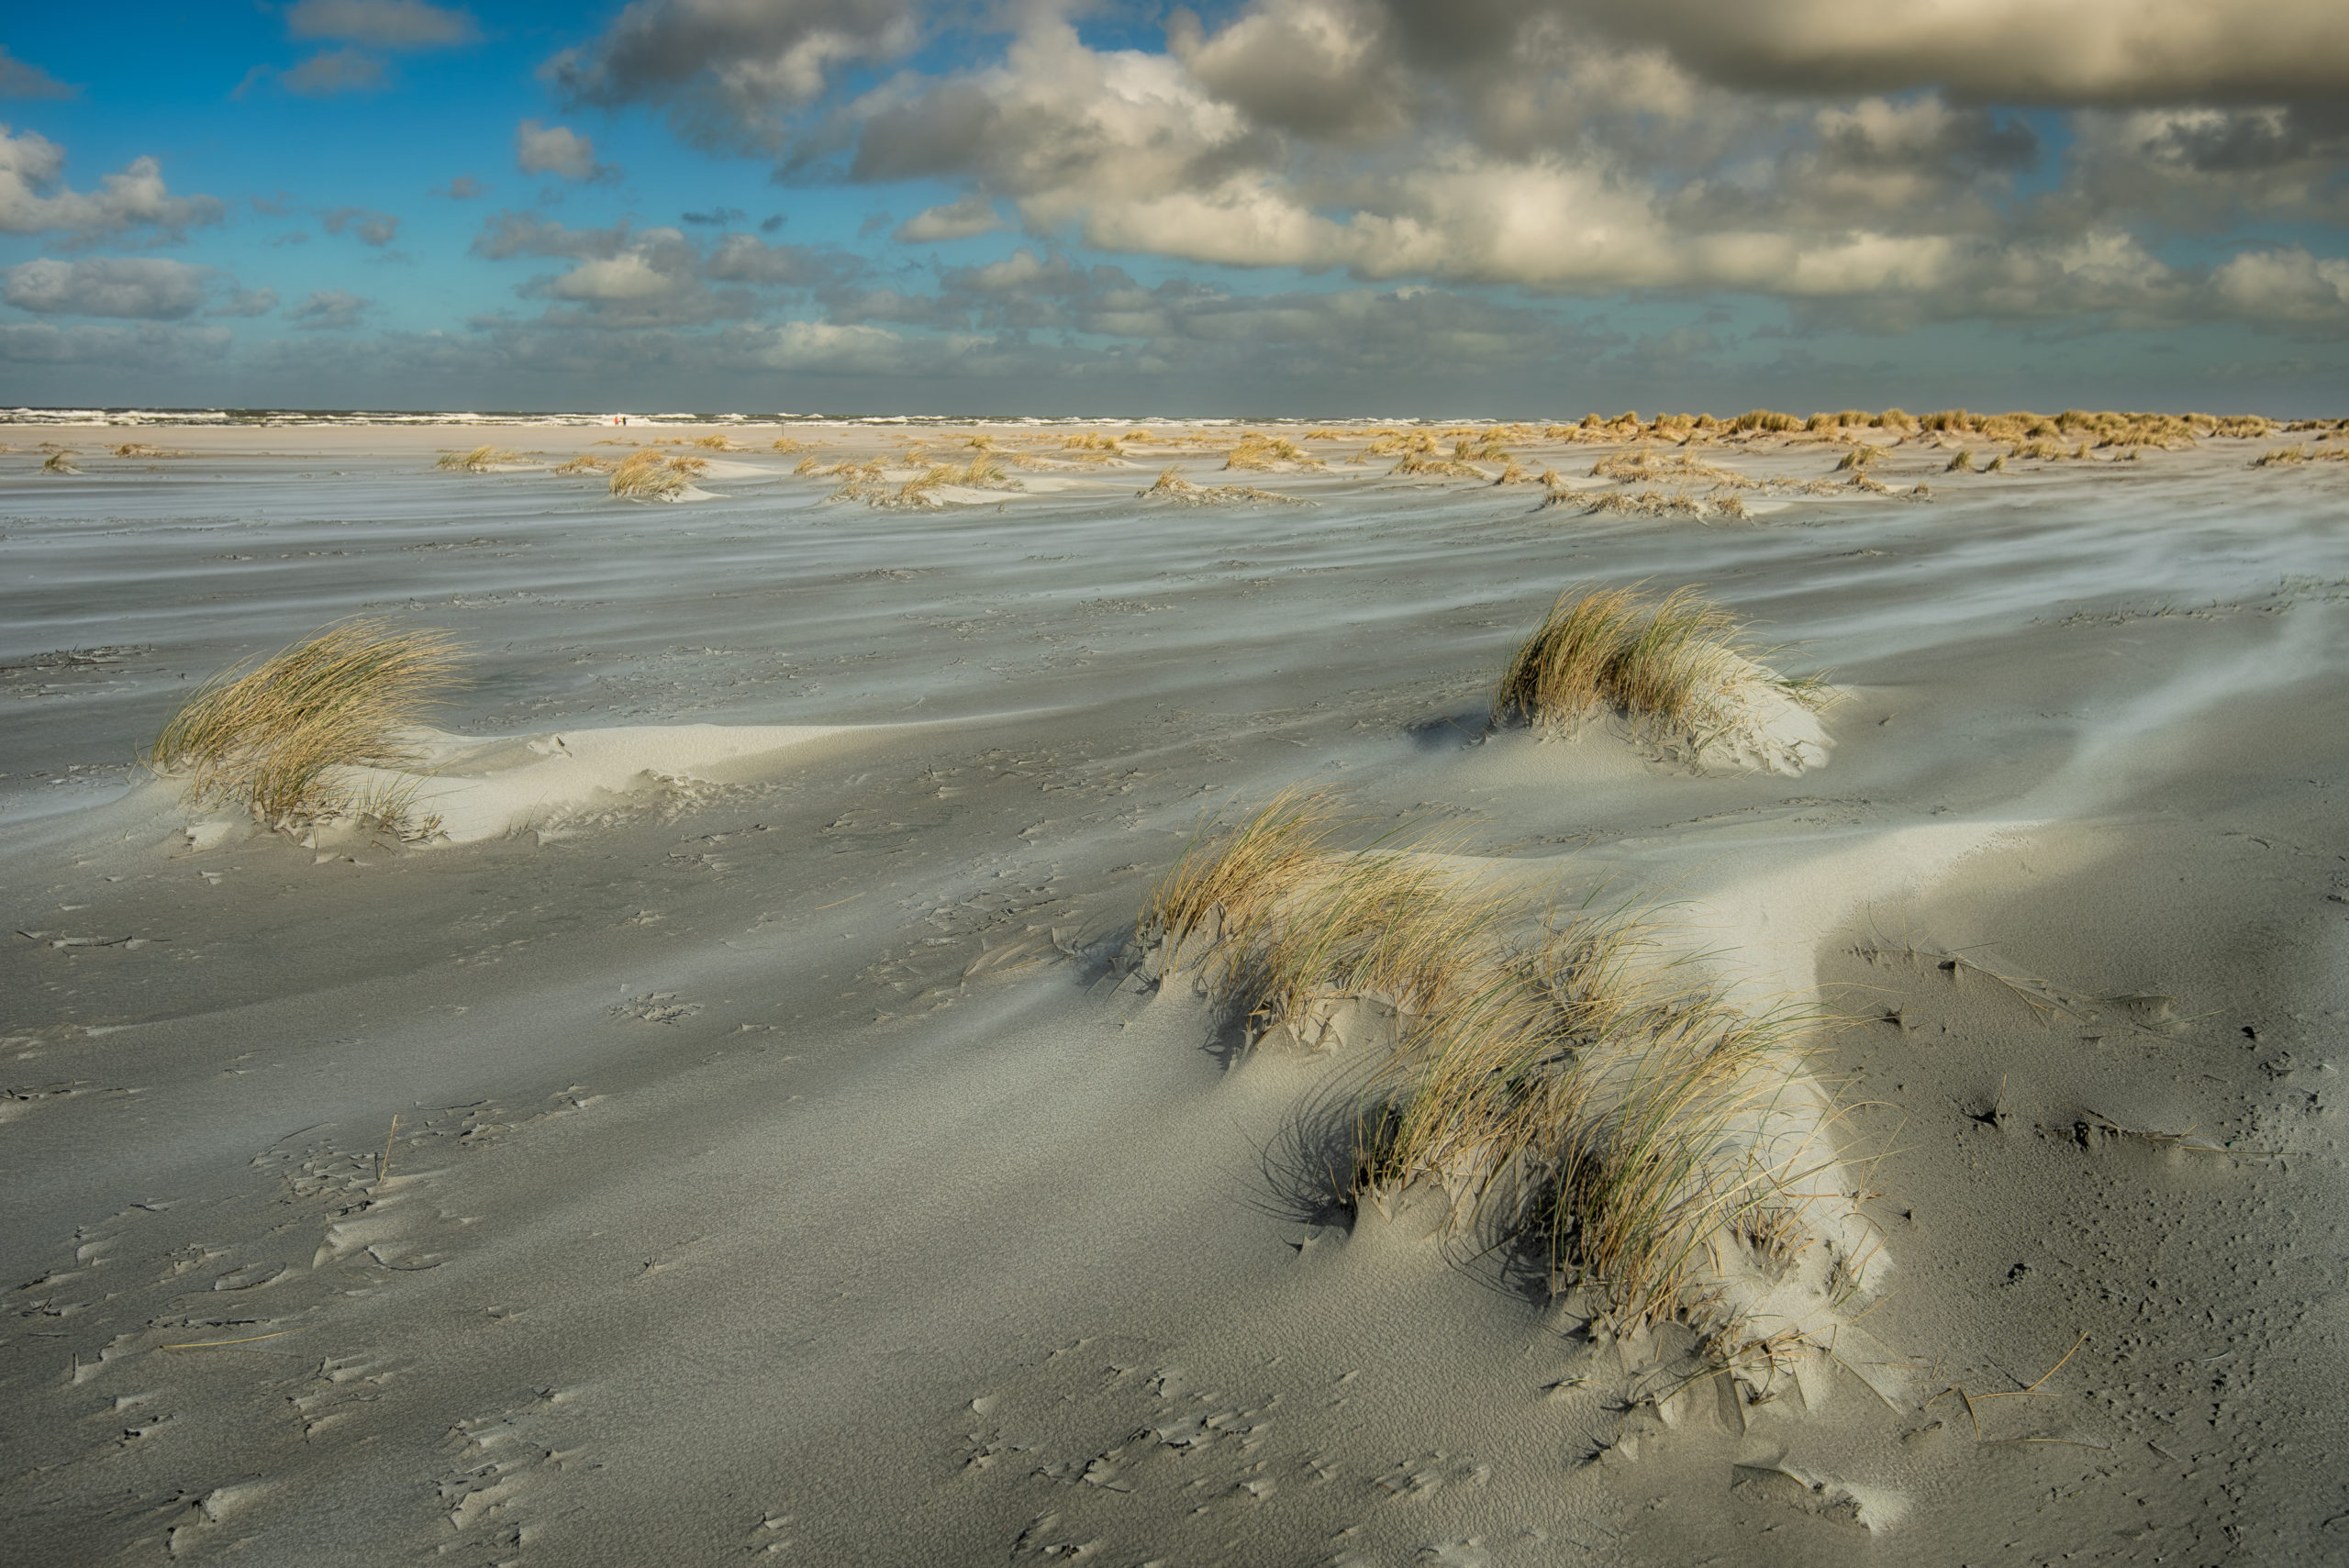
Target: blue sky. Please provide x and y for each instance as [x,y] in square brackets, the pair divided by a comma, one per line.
[1300,207]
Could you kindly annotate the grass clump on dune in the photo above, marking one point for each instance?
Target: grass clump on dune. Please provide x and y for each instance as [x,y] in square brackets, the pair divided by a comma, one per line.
[2277,456]
[1859,457]
[870,481]
[1639,1128]
[1681,665]
[59,462]
[1173,487]
[1554,1083]
[1426,461]
[1257,450]
[1115,446]
[649,475]
[478,461]
[274,736]
[1962,463]
[1388,443]
[585,463]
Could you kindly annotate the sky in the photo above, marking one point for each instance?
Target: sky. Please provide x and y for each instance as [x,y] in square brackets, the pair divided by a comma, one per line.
[1304,208]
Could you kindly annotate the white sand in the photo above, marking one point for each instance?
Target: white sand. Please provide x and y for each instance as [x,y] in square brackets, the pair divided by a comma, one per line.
[783,1169]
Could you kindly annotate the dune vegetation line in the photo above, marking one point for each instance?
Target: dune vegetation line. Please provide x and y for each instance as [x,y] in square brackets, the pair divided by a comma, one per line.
[276,736]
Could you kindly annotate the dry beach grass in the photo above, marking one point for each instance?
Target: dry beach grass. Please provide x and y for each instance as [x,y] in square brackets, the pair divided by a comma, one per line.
[274,735]
[1548,1080]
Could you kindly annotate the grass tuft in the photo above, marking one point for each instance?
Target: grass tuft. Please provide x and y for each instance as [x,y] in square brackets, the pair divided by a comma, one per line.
[59,462]
[1564,1091]
[478,461]
[1681,665]
[1262,451]
[274,736]
[649,475]
[1171,486]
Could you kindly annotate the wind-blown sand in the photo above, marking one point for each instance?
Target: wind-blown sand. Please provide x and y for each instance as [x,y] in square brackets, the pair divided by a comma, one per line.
[736,1134]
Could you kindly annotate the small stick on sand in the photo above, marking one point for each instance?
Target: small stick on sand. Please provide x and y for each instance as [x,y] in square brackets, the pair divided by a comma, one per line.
[383,1167]
[216,1344]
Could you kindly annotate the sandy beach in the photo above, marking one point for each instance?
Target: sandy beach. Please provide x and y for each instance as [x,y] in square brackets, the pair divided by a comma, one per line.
[735,1117]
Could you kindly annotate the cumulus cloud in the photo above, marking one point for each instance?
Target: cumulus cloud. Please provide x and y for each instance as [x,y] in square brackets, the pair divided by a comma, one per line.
[1325,68]
[34,198]
[142,288]
[363,224]
[626,275]
[2037,51]
[245,302]
[464,188]
[508,234]
[962,219]
[328,310]
[726,68]
[2206,168]
[19,79]
[743,259]
[387,24]
[144,348]
[2285,285]
[333,70]
[557,150]
[1811,150]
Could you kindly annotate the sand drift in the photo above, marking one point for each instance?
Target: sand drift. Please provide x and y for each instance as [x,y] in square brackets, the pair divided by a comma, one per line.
[1629,991]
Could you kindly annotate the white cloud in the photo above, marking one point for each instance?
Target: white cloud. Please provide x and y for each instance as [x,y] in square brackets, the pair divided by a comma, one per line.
[363,224]
[143,350]
[629,276]
[2288,285]
[724,66]
[557,150]
[245,302]
[822,346]
[328,310]
[19,79]
[388,24]
[2043,52]
[964,219]
[331,72]
[34,198]
[142,288]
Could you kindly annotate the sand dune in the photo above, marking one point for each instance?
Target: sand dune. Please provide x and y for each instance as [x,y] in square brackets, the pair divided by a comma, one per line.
[744,1125]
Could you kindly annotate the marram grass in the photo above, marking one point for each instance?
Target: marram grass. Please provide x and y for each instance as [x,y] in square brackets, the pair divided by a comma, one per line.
[1171,486]
[649,475]
[1560,1085]
[1680,663]
[275,736]
[478,461]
